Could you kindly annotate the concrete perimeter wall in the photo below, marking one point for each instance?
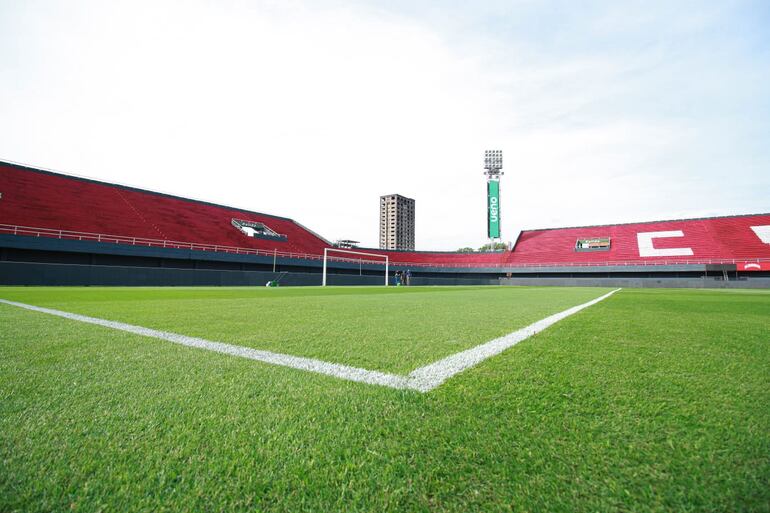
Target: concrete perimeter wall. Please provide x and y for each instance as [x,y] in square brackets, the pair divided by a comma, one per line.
[193,273]
[33,273]
[57,274]
[709,282]
[45,274]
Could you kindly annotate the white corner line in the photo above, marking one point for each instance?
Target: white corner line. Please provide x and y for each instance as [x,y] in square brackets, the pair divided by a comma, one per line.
[423,379]
[432,375]
[285,360]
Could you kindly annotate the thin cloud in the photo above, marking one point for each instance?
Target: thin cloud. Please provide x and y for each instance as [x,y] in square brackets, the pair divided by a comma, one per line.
[313,110]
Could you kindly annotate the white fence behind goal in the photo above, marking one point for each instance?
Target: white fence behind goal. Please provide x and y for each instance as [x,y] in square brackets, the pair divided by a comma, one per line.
[350,252]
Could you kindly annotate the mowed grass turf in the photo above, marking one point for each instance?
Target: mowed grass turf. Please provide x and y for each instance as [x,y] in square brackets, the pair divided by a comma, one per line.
[392,330]
[652,400]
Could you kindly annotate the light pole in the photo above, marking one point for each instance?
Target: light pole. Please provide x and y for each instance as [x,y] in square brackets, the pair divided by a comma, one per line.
[493,165]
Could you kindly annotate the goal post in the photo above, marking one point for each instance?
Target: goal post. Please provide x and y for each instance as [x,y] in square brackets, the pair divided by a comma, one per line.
[350,252]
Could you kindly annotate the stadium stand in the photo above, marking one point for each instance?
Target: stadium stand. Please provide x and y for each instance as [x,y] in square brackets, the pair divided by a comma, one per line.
[40,204]
[40,199]
[709,240]
[445,259]
[704,241]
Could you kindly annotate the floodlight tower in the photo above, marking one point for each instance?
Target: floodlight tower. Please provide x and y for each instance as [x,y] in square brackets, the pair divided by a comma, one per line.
[493,165]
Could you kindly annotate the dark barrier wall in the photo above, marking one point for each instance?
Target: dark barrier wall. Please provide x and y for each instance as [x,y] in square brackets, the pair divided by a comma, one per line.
[37,273]
[710,282]
[419,280]
[32,273]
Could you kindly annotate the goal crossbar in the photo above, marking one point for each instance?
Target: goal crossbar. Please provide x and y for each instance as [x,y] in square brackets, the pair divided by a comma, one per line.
[350,252]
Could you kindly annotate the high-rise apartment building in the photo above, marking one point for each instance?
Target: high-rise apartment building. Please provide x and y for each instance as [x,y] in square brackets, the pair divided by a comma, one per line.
[396,222]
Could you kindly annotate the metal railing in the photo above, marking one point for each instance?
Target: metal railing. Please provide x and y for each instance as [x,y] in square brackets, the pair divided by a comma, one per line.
[196,246]
[146,242]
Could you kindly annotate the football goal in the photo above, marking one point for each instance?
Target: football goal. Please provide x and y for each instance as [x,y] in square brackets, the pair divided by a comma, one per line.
[381,258]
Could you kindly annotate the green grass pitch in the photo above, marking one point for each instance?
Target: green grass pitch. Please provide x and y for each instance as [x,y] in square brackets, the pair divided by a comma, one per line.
[652,400]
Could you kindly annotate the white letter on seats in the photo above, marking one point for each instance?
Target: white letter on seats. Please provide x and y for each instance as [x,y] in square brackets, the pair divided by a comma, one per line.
[646,249]
[763,232]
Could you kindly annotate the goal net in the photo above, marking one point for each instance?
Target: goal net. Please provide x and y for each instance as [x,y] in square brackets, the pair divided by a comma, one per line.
[355,257]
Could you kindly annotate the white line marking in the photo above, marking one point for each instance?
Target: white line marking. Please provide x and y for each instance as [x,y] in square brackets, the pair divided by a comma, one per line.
[429,377]
[295,362]
[423,379]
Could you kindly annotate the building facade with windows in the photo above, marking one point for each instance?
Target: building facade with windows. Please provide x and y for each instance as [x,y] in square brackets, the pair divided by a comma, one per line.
[396,222]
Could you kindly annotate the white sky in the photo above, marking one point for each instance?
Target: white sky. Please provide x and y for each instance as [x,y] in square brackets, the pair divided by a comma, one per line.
[606,111]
